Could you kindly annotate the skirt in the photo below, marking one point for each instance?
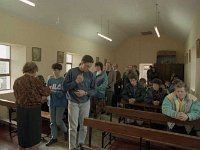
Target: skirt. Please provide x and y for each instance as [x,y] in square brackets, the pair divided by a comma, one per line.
[28,126]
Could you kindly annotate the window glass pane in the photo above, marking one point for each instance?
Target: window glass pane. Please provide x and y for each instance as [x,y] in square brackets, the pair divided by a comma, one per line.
[5,83]
[68,66]
[4,67]
[5,51]
[69,58]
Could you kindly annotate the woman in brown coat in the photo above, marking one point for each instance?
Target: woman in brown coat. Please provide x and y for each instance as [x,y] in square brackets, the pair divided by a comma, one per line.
[29,92]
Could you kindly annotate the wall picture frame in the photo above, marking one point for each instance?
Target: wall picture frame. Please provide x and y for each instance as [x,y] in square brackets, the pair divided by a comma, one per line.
[36,54]
[186,58]
[97,59]
[60,57]
[198,48]
[189,55]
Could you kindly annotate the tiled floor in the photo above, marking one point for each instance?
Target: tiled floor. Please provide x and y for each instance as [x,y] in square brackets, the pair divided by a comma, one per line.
[7,143]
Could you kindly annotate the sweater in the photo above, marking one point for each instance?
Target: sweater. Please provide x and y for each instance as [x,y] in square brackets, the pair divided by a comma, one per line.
[88,85]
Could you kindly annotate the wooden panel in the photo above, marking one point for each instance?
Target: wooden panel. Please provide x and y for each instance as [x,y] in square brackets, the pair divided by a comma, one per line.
[154,117]
[7,103]
[165,71]
[164,137]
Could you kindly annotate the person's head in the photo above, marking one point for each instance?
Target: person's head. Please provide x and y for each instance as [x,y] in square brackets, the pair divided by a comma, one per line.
[133,79]
[175,81]
[156,84]
[115,66]
[41,78]
[181,90]
[135,67]
[86,63]
[130,67]
[30,68]
[143,81]
[108,66]
[150,67]
[98,66]
[57,68]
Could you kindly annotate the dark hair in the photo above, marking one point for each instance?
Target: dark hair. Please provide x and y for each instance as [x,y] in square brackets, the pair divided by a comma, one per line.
[87,59]
[99,64]
[175,81]
[30,67]
[132,76]
[157,81]
[56,66]
[143,80]
[41,78]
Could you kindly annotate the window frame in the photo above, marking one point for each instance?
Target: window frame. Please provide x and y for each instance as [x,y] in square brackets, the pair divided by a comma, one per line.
[68,63]
[9,61]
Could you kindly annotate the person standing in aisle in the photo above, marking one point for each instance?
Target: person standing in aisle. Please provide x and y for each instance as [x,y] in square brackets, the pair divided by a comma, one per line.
[57,104]
[80,84]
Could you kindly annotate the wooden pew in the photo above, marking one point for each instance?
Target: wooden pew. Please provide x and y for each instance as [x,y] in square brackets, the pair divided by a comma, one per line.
[157,136]
[152,117]
[7,103]
[141,105]
[11,109]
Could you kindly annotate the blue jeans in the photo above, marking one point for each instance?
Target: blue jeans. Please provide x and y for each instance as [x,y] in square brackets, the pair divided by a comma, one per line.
[76,115]
[56,118]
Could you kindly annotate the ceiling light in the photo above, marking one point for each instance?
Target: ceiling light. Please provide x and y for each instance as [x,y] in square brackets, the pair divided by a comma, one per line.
[103,36]
[157,21]
[157,32]
[28,2]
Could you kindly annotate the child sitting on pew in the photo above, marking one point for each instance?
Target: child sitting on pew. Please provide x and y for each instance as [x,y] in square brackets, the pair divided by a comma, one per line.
[182,106]
[155,94]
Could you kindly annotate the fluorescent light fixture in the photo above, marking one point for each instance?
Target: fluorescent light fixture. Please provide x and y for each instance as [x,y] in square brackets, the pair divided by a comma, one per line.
[157,32]
[28,2]
[103,36]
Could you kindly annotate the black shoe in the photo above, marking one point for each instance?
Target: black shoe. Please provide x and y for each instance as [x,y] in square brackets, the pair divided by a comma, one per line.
[80,146]
[52,141]
[66,136]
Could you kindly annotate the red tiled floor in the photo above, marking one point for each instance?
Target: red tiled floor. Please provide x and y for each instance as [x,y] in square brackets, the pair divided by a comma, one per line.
[122,144]
[6,142]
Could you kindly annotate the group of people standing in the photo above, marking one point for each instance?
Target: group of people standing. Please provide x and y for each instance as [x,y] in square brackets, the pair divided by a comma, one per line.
[78,89]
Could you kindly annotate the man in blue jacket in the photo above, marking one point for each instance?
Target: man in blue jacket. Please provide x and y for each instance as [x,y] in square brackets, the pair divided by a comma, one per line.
[80,84]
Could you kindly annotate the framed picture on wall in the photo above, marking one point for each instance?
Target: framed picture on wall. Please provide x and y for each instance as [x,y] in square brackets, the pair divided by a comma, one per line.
[60,57]
[189,55]
[97,59]
[36,54]
[198,48]
[186,58]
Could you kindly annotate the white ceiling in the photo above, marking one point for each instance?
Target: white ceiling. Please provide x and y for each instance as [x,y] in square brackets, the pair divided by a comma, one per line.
[84,18]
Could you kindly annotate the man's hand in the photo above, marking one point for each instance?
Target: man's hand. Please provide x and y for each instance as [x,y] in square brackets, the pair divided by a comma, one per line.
[131,101]
[79,78]
[44,99]
[156,103]
[182,116]
[80,93]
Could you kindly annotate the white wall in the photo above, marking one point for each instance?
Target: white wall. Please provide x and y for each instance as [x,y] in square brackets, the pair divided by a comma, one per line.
[25,34]
[192,69]
[143,49]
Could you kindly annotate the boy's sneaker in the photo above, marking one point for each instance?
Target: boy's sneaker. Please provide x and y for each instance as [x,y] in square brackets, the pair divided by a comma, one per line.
[80,146]
[52,141]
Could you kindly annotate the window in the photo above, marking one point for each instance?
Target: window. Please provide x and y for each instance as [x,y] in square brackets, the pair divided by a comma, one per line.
[69,59]
[4,67]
